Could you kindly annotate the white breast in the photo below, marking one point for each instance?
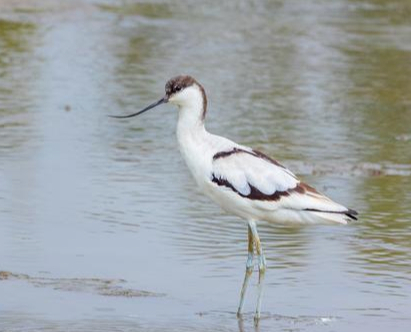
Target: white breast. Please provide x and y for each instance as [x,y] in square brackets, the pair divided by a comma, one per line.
[197,146]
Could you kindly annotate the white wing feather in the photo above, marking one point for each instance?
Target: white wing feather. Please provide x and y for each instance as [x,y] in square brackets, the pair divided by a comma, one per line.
[243,169]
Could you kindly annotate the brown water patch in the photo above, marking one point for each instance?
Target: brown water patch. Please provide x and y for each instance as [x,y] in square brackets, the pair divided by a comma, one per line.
[148,10]
[106,287]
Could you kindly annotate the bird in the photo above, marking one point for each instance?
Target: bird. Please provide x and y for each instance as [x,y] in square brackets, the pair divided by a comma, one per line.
[243,181]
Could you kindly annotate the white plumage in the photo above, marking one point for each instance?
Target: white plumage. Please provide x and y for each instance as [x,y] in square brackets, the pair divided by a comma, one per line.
[243,181]
[241,169]
[270,191]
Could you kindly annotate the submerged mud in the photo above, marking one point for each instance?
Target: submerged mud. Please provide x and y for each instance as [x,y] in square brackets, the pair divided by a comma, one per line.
[105,287]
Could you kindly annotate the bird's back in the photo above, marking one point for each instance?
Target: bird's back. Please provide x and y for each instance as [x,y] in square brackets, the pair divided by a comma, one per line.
[253,186]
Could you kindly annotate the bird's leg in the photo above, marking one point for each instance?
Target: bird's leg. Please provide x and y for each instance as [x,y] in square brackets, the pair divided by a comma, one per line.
[261,269]
[248,269]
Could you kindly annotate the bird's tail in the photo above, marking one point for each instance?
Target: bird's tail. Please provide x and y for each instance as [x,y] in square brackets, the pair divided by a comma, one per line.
[343,217]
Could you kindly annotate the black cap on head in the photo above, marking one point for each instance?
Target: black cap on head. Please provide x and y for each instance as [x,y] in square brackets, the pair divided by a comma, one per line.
[179,83]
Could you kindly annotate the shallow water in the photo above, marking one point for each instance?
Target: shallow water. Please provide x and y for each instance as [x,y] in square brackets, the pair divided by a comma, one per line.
[89,203]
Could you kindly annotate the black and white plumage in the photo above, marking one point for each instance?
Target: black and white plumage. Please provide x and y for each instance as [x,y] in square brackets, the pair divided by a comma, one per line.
[241,180]
[272,191]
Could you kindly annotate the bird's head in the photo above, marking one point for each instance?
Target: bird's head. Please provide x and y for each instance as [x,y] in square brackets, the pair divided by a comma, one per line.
[182,91]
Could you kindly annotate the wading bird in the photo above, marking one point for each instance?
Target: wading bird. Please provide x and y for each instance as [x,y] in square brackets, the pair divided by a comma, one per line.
[243,181]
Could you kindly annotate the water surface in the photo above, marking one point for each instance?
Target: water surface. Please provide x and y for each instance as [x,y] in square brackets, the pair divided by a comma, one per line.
[101,225]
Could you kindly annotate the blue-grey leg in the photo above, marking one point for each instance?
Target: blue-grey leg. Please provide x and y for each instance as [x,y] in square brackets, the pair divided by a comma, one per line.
[261,268]
[248,269]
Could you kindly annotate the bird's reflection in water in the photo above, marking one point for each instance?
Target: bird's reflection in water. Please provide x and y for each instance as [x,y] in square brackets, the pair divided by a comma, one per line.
[243,328]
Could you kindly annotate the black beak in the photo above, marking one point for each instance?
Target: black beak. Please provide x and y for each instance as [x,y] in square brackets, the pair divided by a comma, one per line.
[161,101]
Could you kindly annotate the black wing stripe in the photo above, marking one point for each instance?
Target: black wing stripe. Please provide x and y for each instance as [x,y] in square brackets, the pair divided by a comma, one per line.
[301,188]
[223,154]
[255,153]
[256,194]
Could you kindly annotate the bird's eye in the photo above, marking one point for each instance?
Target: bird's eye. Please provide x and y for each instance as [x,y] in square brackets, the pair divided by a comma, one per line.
[178,88]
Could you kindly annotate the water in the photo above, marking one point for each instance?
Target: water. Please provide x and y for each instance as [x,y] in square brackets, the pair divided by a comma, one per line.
[102,227]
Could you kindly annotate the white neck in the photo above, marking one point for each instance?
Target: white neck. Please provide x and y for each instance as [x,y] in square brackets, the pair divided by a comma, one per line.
[190,125]
[192,137]
[191,103]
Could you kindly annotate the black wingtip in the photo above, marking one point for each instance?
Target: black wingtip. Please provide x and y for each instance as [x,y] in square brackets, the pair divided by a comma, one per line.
[352,214]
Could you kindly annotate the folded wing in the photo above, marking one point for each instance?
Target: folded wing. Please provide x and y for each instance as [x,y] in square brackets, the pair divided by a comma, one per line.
[269,185]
